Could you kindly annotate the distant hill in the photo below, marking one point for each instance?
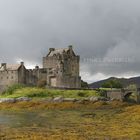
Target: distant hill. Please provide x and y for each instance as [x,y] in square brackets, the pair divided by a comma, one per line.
[124,81]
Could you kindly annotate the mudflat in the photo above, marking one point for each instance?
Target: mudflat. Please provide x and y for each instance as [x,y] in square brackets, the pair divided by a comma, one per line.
[69,121]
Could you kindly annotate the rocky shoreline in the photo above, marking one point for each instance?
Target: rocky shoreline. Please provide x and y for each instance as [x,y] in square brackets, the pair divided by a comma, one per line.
[54,100]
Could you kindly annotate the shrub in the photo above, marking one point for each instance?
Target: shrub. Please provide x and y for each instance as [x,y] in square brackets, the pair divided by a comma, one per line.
[102,92]
[132,87]
[84,84]
[41,94]
[82,94]
[10,90]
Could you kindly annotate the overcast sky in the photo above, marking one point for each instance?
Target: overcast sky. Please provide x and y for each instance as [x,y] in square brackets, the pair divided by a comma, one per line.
[105,33]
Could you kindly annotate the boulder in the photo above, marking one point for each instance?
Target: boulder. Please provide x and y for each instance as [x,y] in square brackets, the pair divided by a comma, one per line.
[96,99]
[7,100]
[69,100]
[23,99]
[58,99]
[104,99]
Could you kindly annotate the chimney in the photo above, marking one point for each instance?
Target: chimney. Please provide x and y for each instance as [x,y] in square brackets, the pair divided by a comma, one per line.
[52,49]
[3,65]
[22,63]
[36,67]
[70,47]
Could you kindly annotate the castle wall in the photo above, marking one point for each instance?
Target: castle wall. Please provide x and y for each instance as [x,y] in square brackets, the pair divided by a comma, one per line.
[68,82]
[22,75]
[72,66]
[60,69]
[8,77]
[50,62]
[64,65]
[31,79]
[33,76]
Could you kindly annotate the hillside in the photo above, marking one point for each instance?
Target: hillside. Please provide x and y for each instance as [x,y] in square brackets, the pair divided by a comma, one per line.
[124,81]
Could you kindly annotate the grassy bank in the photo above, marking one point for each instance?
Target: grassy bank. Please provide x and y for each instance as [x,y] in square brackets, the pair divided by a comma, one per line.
[34,92]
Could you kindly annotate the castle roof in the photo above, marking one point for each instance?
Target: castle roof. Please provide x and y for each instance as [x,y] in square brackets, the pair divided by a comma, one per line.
[57,51]
[13,67]
[10,67]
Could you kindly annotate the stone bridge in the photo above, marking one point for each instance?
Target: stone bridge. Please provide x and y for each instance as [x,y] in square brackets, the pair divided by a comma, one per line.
[123,95]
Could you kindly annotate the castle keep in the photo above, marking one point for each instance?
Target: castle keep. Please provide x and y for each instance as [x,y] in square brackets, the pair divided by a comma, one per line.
[60,70]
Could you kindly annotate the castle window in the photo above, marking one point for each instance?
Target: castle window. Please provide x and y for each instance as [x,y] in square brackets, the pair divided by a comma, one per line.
[12,77]
[11,71]
[7,77]
[1,77]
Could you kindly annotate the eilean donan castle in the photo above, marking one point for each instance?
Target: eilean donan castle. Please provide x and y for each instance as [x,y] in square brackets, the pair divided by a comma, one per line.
[60,70]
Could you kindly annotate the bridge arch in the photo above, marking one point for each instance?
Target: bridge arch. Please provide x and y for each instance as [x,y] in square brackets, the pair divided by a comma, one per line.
[128,96]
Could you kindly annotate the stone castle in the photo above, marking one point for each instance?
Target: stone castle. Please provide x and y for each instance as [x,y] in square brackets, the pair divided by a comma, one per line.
[60,70]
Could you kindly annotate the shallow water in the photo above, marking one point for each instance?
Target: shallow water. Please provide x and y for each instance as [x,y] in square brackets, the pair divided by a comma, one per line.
[41,122]
[40,118]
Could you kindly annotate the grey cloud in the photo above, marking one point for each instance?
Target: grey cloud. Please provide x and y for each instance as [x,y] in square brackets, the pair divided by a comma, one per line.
[96,28]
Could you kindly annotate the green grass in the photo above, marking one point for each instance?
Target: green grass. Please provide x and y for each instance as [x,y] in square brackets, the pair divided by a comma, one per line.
[109,89]
[35,92]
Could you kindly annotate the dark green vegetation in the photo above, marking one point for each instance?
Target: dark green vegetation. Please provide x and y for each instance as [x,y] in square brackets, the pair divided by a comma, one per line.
[124,82]
[10,90]
[84,84]
[35,121]
[112,84]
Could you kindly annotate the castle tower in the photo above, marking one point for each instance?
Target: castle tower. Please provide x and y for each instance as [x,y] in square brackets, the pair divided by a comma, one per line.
[63,68]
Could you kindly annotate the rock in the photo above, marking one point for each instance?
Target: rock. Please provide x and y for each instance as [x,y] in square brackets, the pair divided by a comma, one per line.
[113,99]
[96,99]
[93,99]
[7,100]
[103,99]
[58,99]
[13,100]
[80,101]
[23,99]
[69,100]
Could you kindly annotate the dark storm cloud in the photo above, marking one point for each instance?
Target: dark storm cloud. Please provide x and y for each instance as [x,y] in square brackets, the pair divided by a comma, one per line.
[105,33]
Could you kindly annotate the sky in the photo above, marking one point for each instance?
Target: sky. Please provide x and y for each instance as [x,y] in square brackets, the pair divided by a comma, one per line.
[105,33]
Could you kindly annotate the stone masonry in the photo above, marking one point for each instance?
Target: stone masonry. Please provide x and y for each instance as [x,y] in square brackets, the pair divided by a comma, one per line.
[60,70]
